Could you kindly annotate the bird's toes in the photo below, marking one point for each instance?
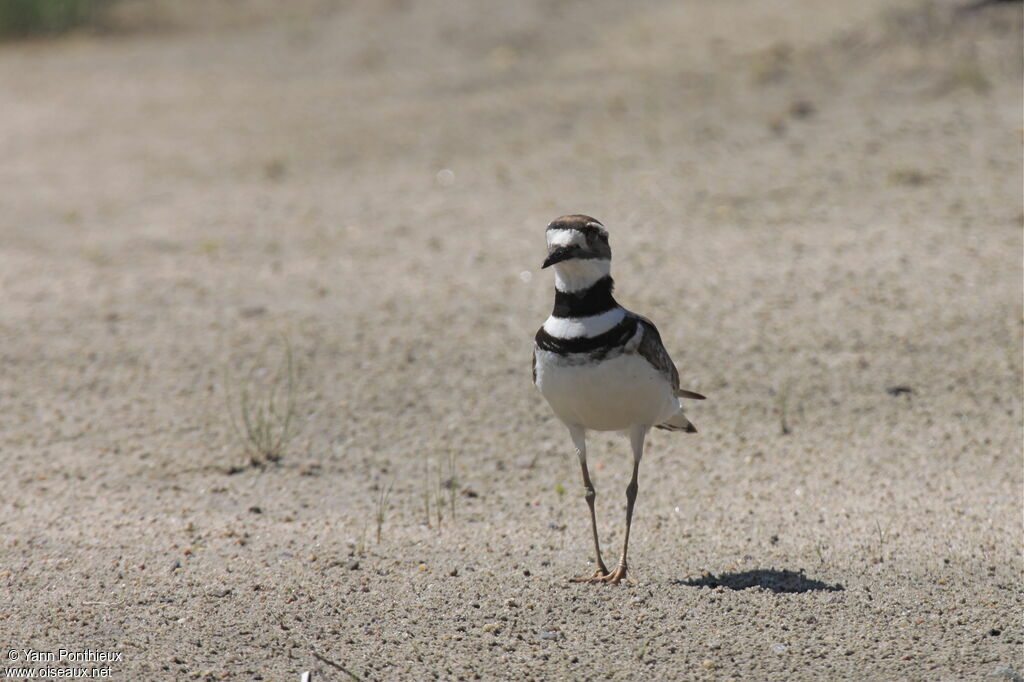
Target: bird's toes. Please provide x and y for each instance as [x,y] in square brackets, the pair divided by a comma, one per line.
[599,575]
[615,577]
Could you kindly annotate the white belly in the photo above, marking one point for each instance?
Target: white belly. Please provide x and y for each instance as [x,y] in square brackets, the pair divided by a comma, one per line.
[612,395]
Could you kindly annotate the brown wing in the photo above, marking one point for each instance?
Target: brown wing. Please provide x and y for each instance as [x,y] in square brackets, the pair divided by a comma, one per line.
[653,350]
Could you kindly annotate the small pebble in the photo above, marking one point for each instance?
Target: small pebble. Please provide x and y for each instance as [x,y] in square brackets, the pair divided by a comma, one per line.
[454,572]
[493,627]
[801,108]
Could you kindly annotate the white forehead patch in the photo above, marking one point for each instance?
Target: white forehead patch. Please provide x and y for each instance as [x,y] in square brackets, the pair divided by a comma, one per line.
[565,237]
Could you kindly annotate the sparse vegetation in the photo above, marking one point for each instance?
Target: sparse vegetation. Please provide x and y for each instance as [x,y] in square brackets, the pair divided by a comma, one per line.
[440,490]
[783,409]
[427,494]
[27,18]
[881,542]
[451,483]
[381,510]
[357,547]
[263,410]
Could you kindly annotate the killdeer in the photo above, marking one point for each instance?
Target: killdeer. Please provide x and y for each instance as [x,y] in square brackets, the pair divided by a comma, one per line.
[600,366]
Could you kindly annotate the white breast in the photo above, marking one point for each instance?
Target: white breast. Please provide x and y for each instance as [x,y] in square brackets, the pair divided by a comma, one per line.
[611,395]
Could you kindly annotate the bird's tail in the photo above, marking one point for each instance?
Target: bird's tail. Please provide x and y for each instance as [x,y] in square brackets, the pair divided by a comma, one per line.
[678,422]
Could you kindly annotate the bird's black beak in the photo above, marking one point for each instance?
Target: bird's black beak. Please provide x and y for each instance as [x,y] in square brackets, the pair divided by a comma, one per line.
[559,254]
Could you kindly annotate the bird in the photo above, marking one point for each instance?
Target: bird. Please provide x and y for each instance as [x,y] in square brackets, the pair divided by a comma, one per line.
[601,367]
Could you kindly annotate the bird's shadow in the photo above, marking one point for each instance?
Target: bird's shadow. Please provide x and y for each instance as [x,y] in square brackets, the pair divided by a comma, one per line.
[779,582]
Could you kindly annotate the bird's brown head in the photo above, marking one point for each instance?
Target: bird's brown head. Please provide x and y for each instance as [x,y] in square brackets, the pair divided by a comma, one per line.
[576,238]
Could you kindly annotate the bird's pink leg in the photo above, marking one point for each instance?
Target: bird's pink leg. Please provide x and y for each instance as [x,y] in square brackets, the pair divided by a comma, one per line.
[579,438]
[637,438]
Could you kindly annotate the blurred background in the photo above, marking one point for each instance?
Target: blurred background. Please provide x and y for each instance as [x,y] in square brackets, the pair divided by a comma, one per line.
[236,232]
[371,179]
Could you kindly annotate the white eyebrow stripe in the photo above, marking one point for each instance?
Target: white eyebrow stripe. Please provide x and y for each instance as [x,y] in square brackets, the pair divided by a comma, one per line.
[588,327]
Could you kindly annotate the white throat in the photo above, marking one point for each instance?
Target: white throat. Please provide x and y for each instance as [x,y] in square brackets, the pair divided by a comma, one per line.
[579,274]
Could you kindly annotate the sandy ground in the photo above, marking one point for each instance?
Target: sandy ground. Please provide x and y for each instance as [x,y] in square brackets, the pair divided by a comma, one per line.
[818,203]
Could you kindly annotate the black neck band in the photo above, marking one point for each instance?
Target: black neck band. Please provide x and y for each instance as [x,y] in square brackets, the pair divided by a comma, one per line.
[594,300]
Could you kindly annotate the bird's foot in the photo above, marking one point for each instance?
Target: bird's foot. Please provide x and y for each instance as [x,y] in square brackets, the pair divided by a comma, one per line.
[599,575]
[616,576]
